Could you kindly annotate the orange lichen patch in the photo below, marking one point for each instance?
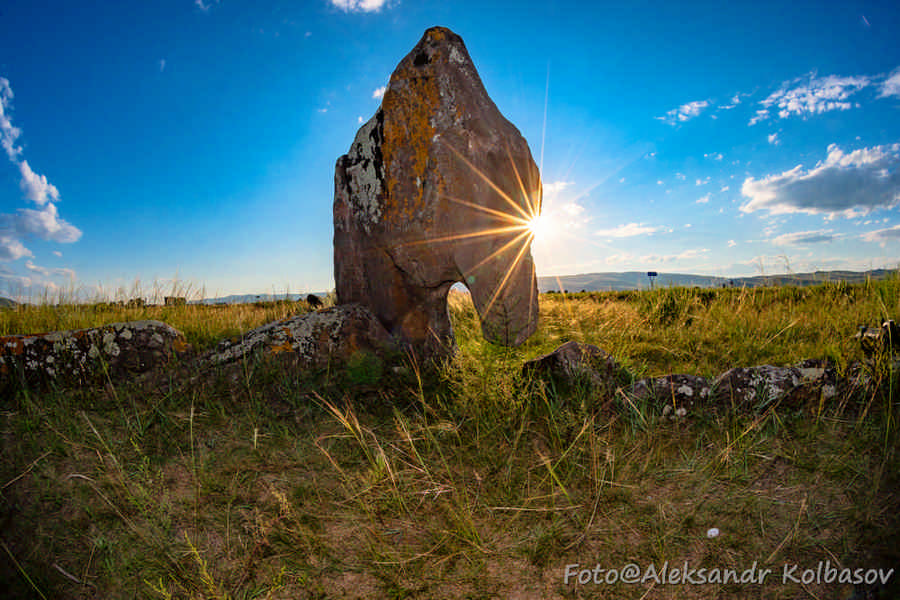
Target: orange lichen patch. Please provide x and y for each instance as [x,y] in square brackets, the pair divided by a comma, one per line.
[179,345]
[11,345]
[408,137]
[283,347]
[437,33]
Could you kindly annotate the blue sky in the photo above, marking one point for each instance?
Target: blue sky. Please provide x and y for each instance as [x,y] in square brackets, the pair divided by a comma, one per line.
[196,140]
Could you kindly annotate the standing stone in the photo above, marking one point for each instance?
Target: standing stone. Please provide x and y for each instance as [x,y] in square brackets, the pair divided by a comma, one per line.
[419,199]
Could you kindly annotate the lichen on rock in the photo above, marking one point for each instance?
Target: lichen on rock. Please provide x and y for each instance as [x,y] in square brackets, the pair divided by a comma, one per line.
[419,202]
[80,356]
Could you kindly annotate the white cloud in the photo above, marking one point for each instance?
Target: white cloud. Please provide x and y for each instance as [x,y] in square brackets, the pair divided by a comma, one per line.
[11,248]
[36,187]
[622,180]
[702,181]
[802,238]
[43,223]
[629,230]
[359,120]
[668,258]
[204,6]
[62,272]
[891,85]
[379,93]
[773,139]
[552,189]
[617,259]
[847,185]
[57,253]
[702,200]
[358,5]
[684,112]
[8,133]
[725,188]
[714,156]
[732,243]
[659,182]
[680,176]
[891,234]
[815,96]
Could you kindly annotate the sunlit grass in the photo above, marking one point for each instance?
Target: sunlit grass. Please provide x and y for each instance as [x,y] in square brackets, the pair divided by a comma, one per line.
[468,480]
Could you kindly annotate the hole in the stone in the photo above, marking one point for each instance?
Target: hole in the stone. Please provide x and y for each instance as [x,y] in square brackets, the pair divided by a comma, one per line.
[421,59]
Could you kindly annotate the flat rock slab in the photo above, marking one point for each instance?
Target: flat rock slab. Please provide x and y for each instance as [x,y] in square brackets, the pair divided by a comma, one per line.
[80,356]
[314,338]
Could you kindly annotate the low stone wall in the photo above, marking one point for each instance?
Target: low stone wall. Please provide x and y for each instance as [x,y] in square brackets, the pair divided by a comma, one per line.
[82,356]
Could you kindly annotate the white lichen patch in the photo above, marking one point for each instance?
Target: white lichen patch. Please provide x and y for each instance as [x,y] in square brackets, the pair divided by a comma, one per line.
[93,351]
[126,334]
[685,390]
[456,56]
[362,178]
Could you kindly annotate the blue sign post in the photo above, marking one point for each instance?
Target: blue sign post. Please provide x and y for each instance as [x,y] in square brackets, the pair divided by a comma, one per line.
[651,275]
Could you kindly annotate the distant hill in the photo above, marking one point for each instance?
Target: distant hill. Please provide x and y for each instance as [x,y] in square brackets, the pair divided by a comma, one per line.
[638,280]
[251,298]
[7,303]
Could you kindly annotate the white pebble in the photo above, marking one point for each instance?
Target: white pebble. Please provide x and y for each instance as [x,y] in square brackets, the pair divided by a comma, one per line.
[712,533]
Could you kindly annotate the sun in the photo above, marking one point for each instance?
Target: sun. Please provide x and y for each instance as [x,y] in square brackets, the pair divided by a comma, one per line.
[539,227]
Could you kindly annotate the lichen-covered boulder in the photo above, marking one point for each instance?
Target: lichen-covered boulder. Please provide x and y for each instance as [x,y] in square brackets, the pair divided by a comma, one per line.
[574,363]
[313,339]
[83,356]
[437,188]
[677,393]
[758,387]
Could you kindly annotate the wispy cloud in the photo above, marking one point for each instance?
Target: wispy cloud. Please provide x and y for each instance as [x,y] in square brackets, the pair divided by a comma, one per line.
[815,95]
[802,238]
[714,156]
[702,181]
[891,85]
[359,5]
[204,6]
[379,92]
[162,65]
[881,236]
[847,185]
[732,243]
[685,112]
[629,230]
[43,223]
[702,200]
[668,258]
[67,273]
[773,139]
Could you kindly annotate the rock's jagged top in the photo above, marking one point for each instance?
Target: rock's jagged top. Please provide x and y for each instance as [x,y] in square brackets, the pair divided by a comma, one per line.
[425,179]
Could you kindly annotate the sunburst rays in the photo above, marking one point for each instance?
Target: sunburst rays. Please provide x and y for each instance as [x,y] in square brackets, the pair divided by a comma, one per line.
[515,223]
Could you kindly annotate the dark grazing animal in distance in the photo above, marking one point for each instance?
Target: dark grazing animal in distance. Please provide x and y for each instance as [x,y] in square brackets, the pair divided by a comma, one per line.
[314,301]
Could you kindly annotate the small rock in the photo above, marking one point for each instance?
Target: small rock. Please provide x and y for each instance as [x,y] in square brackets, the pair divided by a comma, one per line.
[573,363]
[677,392]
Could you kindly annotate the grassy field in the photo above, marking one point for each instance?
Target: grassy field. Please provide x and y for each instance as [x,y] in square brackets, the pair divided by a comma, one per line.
[466,479]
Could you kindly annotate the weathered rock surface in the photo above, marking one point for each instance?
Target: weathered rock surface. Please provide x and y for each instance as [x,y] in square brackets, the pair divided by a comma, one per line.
[761,386]
[422,199]
[677,392]
[573,363]
[83,355]
[314,338]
